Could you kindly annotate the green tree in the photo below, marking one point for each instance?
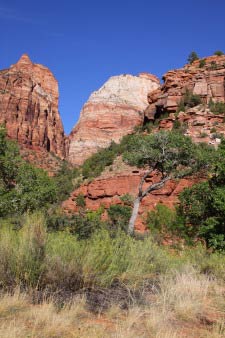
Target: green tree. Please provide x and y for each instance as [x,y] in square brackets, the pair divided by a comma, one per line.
[203,205]
[192,57]
[22,186]
[169,154]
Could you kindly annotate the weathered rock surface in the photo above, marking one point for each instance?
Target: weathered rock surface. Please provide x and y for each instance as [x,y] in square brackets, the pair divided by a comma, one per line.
[29,106]
[108,189]
[199,123]
[110,113]
[206,80]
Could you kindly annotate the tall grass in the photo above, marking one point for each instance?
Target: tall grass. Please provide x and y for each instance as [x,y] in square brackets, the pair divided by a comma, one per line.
[182,293]
[32,257]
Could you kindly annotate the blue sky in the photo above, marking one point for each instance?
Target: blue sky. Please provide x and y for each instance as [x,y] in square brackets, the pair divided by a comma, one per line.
[85,42]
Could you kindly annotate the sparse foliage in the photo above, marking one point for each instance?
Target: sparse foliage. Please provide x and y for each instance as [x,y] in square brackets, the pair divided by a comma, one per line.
[218,53]
[192,57]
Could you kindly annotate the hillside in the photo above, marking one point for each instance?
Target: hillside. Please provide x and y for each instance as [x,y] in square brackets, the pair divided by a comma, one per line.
[118,229]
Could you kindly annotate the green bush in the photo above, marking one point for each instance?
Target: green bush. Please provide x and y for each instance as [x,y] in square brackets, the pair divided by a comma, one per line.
[203,206]
[119,216]
[64,180]
[203,134]
[213,65]
[218,53]
[217,107]
[22,186]
[161,219]
[202,63]
[192,57]
[191,100]
[127,199]
[94,165]
[82,225]
[80,201]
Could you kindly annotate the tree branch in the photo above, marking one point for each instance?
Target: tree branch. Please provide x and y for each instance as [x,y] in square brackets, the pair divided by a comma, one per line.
[142,181]
[155,186]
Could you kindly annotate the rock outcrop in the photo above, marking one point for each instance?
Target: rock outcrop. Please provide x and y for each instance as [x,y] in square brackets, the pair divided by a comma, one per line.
[110,113]
[29,106]
[205,77]
[108,189]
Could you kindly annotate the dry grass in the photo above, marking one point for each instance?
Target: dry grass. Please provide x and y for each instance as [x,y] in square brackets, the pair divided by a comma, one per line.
[187,304]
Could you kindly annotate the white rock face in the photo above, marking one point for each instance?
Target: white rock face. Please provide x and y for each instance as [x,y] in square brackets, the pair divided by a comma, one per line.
[125,89]
[110,113]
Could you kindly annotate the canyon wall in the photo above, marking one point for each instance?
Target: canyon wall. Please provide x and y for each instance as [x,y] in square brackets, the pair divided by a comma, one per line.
[204,77]
[29,107]
[110,113]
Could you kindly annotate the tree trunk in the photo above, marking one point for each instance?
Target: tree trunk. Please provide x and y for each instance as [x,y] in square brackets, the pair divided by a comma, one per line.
[141,195]
[134,215]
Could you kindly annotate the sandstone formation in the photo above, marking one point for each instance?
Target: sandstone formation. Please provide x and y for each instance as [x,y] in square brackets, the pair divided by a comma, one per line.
[108,189]
[199,123]
[110,113]
[205,77]
[29,106]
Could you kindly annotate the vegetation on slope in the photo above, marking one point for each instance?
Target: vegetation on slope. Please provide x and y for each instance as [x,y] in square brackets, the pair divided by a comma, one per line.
[71,265]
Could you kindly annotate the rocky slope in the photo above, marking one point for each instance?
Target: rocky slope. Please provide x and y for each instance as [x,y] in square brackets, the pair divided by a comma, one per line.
[29,107]
[205,77]
[208,81]
[120,180]
[110,113]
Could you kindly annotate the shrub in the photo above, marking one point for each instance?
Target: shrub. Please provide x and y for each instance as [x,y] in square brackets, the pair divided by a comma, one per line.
[161,220]
[94,165]
[22,186]
[192,57]
[217,107]
[64,180]
[191,100]
[203,134]
[213,130]
[218,53]
[202,207]
[82,225]
[213,65]
[202,63]
[176,124]
[80,201]
[180,107]
[127,199]
[119,216]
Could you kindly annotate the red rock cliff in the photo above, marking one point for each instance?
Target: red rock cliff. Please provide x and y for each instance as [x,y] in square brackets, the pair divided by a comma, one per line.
[205,77]
[29,106]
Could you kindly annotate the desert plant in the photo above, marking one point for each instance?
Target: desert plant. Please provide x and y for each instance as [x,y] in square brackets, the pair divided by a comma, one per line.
[217,107]
[203,134]
[202,63]
[127,199]
[218,53]
[192,57]
[80,201]
[213,65]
